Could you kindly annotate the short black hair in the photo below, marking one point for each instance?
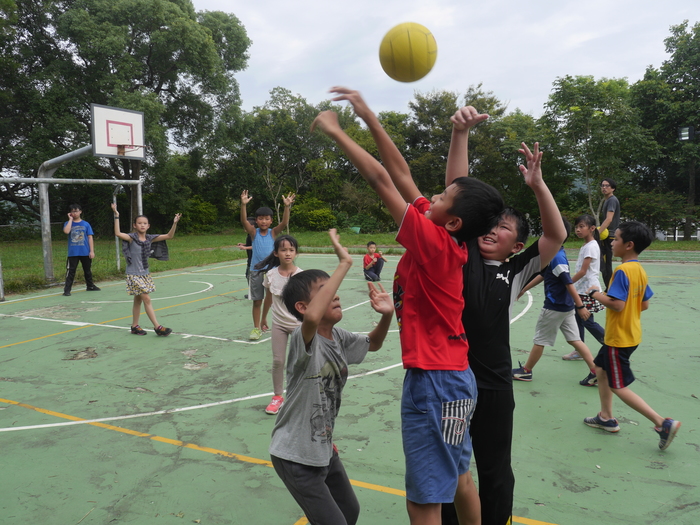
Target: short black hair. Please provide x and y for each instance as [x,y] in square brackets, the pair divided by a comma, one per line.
[370,243]
[478,204]
[75,206]
[636,232]
[521,225]
[612,183]
[298,288]
[264,211]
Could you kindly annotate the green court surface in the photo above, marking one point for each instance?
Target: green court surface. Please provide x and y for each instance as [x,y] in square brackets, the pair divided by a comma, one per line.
[98,426]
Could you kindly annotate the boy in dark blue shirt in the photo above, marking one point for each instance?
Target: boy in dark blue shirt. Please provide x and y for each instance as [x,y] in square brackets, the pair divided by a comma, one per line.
[561,298]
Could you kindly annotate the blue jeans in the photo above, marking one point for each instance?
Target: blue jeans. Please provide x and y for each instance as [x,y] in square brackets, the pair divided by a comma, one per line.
[593,328]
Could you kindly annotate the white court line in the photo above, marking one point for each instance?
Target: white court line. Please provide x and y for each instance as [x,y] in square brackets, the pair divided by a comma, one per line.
[153,299]
[217,403]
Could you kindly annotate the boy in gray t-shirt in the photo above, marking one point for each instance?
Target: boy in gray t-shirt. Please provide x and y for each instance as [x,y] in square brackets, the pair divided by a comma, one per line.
[302,448]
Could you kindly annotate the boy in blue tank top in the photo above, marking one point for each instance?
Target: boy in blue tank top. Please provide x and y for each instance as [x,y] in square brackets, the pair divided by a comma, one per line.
[263,239]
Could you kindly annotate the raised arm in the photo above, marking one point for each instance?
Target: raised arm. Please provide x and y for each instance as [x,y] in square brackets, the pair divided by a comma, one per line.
[395,164]
[171,233]
[245,199]
[288,201]
[117,229]
[318,305]
[369,167]
[553,231]
[382,303]
[458,158]
[69,224]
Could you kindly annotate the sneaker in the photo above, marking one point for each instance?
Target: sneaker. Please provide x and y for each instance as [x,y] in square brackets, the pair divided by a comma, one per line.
[573,356]
[67,294]
[161,330]
[137,330]
[589,380]
[522,374]
[667,432]
[255,334]
[275,405]
[93,289]
[609,425]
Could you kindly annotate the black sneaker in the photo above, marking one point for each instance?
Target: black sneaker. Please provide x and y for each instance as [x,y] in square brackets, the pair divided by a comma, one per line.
[137,330]
[93,289]
[161,330]
[67,294]
[589,380]
[667,432]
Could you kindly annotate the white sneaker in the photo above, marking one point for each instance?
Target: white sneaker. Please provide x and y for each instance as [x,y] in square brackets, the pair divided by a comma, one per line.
[573,356]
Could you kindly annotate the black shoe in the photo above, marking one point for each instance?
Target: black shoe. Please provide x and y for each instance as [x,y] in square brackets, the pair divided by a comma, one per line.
[67,294]
[93,289]
[137,330]
[161,330]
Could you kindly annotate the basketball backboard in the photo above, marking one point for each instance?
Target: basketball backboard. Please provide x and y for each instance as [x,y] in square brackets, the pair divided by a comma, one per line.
[117,133]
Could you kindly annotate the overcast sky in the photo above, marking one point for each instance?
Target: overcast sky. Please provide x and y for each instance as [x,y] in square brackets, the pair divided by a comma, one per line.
[515,48]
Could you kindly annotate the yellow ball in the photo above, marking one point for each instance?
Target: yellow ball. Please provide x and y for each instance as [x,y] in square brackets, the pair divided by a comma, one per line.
[408,52]
[604,234]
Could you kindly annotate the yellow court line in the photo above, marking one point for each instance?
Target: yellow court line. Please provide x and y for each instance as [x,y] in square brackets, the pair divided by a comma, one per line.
[120,318]
[239,457]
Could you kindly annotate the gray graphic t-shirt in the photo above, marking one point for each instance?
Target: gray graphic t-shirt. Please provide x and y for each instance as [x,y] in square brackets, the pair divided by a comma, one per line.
[316,376]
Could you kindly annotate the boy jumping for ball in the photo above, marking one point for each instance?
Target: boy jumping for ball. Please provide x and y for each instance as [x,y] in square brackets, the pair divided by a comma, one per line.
[439,388]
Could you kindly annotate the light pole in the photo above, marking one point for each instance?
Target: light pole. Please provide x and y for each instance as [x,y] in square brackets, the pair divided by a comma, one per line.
[687,134]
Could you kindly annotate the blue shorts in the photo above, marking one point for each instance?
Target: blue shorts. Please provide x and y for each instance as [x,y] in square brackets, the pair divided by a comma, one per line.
[616,363]
[436,409]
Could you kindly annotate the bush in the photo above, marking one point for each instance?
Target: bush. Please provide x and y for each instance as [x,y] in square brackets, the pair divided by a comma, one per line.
[312,214]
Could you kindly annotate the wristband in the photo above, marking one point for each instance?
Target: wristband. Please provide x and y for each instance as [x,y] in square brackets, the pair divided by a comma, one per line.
[580,307]
[116,217]
[590,294]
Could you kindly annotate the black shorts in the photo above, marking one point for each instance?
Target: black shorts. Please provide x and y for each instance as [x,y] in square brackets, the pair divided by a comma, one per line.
[616,363]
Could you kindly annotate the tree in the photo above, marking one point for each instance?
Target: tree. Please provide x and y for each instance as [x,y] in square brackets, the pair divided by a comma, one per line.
[155,56]
[671,97]
[597,126]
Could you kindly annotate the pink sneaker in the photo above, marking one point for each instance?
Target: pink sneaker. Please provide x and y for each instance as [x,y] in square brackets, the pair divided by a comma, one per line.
[275,405]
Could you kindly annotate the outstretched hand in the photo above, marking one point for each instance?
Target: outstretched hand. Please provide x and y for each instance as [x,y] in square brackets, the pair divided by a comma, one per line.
[177,218]
[358,103]
[380,300]
[533,172]
[326,121]
[340,251]
[466,118]
[245,198]
[288,199]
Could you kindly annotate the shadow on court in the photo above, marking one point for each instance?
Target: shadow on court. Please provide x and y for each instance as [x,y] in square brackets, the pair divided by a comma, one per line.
[100,426]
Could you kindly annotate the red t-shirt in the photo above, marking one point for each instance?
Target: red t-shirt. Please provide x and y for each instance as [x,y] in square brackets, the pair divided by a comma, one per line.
[428,294]
[368,259]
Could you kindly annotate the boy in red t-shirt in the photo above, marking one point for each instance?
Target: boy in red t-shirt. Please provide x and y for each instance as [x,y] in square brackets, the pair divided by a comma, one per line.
[373,262]
[439,388]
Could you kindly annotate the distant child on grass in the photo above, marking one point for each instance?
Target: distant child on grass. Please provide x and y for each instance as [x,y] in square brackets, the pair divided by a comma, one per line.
[627,297]
[302,449]
[277,268]
[493,276]
[263,239]
[587,276]
[81,249]
[138,278]
[561,305]
[439,391]
[373,263]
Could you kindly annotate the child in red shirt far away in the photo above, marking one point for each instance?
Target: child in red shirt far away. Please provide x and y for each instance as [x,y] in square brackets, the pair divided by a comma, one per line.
[373,262]
[439,388]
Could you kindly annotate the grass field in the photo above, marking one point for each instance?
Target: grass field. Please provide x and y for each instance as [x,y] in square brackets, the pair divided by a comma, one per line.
[23,267]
